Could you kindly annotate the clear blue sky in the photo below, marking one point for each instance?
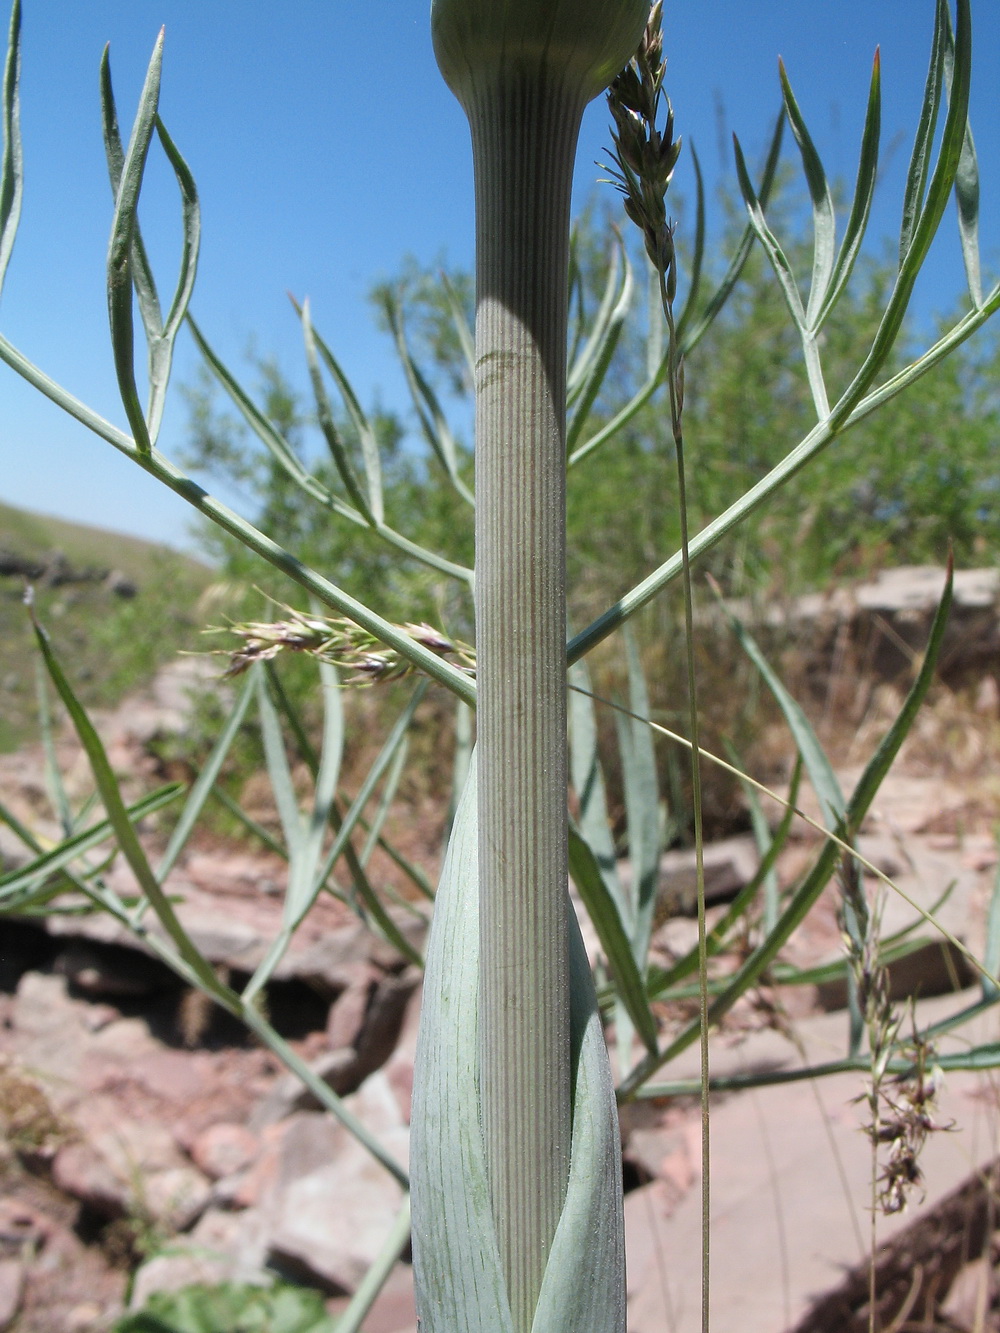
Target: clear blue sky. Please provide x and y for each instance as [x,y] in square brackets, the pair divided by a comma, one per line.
[326,147]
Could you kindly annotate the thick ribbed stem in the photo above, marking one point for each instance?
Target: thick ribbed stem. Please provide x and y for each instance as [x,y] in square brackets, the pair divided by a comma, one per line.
[524,135]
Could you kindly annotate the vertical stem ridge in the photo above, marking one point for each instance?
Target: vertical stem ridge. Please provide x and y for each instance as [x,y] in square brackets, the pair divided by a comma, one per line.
[524,137]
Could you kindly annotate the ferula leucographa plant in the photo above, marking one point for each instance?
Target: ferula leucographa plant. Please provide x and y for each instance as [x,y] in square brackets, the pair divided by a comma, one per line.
[515,1152]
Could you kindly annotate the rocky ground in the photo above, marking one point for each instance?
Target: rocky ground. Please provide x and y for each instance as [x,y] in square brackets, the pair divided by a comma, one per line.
[149,1143]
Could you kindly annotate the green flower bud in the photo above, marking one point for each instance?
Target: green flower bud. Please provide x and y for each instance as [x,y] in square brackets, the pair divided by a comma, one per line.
[581,43]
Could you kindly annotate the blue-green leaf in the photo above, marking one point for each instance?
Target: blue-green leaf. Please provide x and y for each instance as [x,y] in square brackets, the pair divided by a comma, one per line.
[991,954]
[916,176]
[617,948]
[772,248]
[459,1278]
[966,189]
[120,250]
[124,831]
[205,781]
[642,801]
[817,765]
[12,166]
[864,192]
[370,507]
[689,338]
[824,225]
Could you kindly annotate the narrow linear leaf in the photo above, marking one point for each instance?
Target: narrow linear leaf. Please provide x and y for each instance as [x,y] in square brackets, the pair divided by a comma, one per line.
[916,176]
[20,830]
[12,166]
[604,915]
[53,777]
[967,201]
[587,781]
[864,192]
[48,863]
[191,232]
[375,1278]
[966,186]
[597,361]
[824,224]
[642,801]
[278,771]
[205,781]
[661,981]
[818,767]
[324,414]
[991,954]
[623,416]
[839,970]
[433,421]
[927,222]
[777,257]
[373,830]
[251,825]
[322,1091]
[359,420]
[272,439]
[689,338]
[373,777]
[161,350]
[821,435]
[770,844]
[302,883]
[581,367]
[142,272]
[379,919]
[460,323]
[576,303]
[292,717]
[120,250]
[124,831]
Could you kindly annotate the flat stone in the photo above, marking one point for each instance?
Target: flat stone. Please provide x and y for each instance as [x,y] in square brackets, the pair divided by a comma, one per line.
[311,1229]
[48,1029]
[174,1197]
[121,1166]
[224,1149]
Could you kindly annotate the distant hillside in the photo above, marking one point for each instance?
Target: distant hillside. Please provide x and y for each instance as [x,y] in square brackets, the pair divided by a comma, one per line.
[115,606]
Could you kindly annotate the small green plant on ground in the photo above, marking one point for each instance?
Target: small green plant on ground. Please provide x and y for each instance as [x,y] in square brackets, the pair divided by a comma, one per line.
[515,1162]
[230,1308]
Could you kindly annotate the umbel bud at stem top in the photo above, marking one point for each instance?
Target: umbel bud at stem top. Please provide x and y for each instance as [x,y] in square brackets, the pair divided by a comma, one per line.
[582,44]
